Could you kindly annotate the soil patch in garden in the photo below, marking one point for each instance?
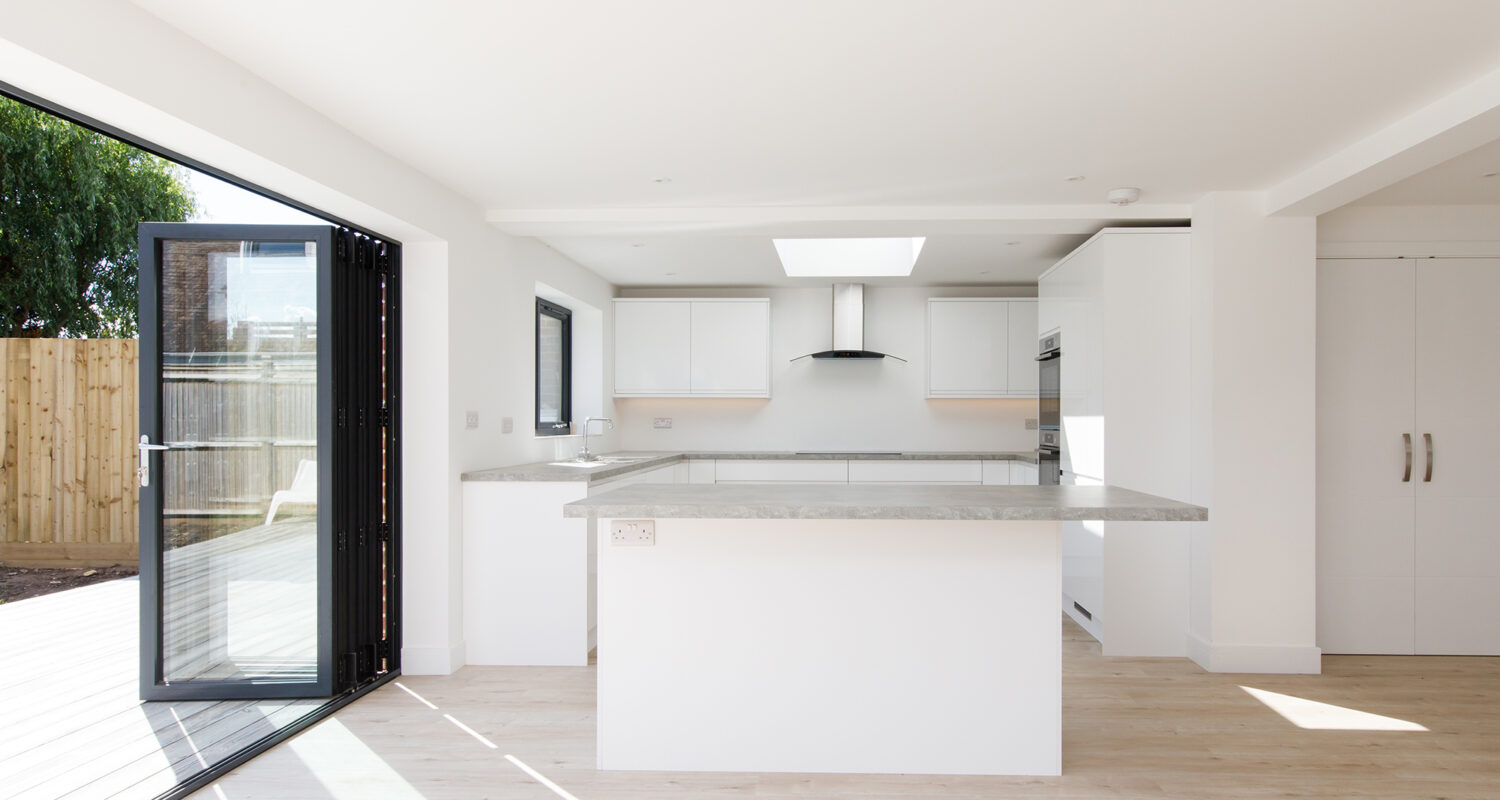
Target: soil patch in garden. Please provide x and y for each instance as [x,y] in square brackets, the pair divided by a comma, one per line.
[20,583]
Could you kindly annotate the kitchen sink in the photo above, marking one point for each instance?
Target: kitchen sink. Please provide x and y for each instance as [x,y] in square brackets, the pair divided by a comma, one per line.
[601,461]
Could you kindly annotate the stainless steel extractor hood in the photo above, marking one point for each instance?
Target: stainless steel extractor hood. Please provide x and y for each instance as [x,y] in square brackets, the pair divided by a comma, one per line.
[849,325]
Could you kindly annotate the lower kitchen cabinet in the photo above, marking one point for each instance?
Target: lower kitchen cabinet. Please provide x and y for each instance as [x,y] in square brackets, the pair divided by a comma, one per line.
[737,470]
[935,471]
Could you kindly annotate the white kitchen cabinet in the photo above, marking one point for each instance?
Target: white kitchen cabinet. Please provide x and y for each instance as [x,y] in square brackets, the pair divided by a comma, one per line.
[1120,302]
[529,589]
[717,347]
[731,348]
[1407,563]
[1021,376]
[653,355]
[981,347]
[700,470]
[1023,474]
[931,471]
[996,473]
[747,470]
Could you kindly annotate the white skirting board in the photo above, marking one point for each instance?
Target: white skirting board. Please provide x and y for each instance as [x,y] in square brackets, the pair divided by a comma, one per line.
[1263,659]
[432,660]
[867,646]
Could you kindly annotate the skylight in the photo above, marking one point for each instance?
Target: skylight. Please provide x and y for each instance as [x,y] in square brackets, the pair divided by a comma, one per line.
[848,258]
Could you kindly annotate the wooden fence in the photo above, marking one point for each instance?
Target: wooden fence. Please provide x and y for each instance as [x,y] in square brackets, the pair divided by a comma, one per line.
[67,451]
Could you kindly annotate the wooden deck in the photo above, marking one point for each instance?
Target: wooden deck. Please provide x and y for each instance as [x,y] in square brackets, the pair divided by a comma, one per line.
[71,723]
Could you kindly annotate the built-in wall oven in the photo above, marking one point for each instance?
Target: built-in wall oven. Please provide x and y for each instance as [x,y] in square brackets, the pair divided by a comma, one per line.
[1049,412]
[1049,459]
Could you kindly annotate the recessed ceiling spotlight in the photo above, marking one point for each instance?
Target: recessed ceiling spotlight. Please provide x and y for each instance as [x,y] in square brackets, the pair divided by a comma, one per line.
[1489,174]
[1012,243]
[984,272]
[670,274]
[637,244]
[1124,196]
[1074,178]
[661,180]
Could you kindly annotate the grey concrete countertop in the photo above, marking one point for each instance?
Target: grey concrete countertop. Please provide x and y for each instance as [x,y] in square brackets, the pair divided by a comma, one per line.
[550,471]
[802,501]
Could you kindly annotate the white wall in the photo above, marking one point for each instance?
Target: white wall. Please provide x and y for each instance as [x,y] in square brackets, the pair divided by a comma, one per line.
[1435,230]
[835,405]
[1254,579]
[467,288]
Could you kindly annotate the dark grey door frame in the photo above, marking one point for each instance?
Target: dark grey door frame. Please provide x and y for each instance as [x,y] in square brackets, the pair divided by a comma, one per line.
[153,686]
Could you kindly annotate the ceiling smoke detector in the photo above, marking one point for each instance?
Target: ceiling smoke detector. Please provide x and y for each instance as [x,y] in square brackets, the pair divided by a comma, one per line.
[1124,196]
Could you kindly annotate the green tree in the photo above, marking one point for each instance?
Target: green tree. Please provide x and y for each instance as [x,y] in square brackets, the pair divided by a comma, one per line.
[69,203]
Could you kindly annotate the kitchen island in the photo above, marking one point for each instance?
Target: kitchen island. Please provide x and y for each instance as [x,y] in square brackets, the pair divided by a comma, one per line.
[528,583]
[844,628]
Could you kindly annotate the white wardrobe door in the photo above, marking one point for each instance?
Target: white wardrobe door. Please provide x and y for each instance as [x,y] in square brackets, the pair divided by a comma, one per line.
[1365,353]
[1457,551]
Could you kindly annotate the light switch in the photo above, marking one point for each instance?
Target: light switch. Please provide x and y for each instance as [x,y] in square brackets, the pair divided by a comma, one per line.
[1030,423]
[507,424]
[471,419]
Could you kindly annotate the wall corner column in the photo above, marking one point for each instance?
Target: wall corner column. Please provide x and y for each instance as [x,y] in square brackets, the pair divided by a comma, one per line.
[1252,419]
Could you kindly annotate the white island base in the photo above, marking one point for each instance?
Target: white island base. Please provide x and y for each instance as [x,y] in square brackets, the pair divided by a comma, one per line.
[832,645]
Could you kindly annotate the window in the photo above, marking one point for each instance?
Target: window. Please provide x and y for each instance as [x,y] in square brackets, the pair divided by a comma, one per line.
[554,369]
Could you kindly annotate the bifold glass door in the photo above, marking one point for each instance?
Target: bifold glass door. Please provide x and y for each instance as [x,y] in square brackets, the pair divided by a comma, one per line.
[243,496]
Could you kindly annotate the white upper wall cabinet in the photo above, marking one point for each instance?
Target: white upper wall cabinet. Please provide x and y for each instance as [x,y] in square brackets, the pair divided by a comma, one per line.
[652,349]
[981,347]
[693,347]
[731,348]
[1022,375]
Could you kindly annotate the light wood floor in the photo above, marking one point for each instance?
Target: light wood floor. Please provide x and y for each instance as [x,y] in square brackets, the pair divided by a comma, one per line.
[71,721]
[1132,728]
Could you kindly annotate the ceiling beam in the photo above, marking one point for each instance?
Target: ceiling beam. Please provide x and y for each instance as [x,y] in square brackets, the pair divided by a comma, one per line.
[832,220]
[1450,126]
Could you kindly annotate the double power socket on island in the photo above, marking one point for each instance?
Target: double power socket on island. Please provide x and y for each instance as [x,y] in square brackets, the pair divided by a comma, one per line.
[632,531]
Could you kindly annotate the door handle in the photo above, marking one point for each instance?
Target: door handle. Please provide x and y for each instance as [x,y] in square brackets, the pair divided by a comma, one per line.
[1406,439]
[1427,438]
[143,470]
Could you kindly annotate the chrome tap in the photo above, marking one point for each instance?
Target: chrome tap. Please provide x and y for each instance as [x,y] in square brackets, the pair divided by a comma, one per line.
[584,454]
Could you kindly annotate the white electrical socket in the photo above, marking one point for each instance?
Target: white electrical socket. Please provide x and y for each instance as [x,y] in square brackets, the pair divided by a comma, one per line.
[471,419]
[632,531]
[507,424]
[661,423]
[1031,423]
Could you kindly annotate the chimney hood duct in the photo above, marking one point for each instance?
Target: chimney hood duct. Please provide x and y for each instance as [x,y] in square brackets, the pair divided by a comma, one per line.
[848,326]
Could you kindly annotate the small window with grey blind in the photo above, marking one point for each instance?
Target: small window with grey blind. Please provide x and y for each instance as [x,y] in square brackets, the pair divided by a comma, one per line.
[554,369]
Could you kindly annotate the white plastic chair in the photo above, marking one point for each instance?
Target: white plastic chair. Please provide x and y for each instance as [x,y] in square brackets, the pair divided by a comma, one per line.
[304,488]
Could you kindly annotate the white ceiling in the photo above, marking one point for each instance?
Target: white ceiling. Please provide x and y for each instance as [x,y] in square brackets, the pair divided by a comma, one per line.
[735,260]
[564,109]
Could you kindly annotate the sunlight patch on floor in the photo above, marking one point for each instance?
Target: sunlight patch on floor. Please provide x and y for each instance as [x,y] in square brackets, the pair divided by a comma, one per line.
[347,767]
[1313,715]
[540,778]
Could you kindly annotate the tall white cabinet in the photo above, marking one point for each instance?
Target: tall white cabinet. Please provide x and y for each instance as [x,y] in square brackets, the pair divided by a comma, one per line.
[1121,303]
[1408,560]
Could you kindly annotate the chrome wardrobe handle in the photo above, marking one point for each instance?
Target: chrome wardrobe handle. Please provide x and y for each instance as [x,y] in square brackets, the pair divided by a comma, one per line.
[1427,438]
[1406,477]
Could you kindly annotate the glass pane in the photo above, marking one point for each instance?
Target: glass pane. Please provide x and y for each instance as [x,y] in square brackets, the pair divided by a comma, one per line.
[549,369]
[239,486]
